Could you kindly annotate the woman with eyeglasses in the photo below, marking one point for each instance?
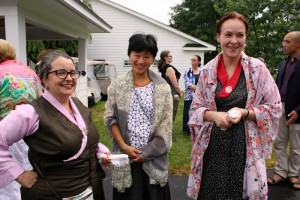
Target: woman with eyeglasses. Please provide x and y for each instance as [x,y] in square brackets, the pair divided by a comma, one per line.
[172,76]
[191,77]
[63,141]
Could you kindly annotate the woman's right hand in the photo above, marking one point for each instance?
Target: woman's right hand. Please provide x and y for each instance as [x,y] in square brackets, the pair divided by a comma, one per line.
[221,120]
[27,179]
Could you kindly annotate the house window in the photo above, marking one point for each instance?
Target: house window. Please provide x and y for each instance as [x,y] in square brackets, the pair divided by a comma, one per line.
[126,63]
[155,63]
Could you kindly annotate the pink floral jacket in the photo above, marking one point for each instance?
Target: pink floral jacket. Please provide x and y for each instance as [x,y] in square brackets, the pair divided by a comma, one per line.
[263,98]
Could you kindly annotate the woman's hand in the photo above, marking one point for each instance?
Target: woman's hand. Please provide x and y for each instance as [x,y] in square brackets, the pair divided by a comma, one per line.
[131,152]
[180,94]
[105,160]
[27,179]
[138,159]
[193,87]
[221,120]
[234,115]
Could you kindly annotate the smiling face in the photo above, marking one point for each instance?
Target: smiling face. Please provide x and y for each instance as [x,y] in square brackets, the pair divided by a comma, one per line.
[61,88]
[232,38]
[140,62]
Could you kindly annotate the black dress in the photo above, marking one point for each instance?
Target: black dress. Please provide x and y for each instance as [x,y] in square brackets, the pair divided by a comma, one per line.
[225,157]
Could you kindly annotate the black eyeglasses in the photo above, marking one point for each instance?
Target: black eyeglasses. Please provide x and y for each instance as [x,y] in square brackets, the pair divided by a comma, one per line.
[62,74]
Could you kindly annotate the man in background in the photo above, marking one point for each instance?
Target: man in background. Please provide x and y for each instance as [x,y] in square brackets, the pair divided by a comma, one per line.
[288,82]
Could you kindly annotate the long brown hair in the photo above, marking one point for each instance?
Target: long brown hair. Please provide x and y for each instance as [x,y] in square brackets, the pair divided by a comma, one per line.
[162,59]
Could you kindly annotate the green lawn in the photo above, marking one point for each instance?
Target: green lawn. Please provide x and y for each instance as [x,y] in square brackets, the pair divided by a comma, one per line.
[179,157]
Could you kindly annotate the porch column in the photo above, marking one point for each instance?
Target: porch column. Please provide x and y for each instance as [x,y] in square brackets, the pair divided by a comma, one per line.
[82,55]
[82,84]
[15,32]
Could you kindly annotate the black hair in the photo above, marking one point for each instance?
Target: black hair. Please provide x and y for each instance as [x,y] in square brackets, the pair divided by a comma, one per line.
[140,42]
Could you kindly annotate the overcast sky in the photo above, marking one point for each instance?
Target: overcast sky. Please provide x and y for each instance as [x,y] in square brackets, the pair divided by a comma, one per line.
[156,9]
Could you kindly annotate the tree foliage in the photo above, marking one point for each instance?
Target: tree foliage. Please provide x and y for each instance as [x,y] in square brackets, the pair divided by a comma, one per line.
[269,21]
[196,18]
[34,47]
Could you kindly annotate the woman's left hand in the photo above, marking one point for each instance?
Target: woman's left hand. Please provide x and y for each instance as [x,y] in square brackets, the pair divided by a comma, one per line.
[138,159]
[105,161]
[234,115]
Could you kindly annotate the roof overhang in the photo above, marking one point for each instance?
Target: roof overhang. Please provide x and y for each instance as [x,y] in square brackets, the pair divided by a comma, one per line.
[56,19]
[197,47]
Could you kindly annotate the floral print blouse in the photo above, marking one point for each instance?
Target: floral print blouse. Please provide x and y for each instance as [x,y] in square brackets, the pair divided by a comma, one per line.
[263,98]
[140,116]
[18,84]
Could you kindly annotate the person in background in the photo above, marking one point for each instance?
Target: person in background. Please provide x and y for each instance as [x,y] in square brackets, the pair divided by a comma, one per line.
[137,116]
[191,77]
[41,55]
[288,81]
[172,76]
[62,139]
[19,84]
[233,120]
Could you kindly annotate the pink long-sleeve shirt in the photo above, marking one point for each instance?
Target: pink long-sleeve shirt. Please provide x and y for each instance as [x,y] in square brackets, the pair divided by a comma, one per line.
[24,121]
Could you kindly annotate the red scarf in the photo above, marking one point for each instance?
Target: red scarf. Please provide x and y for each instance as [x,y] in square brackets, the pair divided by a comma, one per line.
[228,85]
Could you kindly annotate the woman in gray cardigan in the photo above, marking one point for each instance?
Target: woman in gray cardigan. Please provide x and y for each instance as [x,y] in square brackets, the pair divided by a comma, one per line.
[138,116]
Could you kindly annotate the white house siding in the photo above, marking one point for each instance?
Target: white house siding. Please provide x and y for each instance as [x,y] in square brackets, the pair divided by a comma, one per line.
[81,90]
[113,46]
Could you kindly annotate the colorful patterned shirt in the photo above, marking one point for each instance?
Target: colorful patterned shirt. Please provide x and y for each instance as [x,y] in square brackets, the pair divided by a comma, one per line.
[18,84]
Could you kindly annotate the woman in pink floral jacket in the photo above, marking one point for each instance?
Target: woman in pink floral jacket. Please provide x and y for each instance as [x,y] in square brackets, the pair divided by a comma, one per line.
[233,119]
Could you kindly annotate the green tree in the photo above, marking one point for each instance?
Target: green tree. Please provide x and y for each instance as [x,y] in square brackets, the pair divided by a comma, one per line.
[34,47]
[269,21]
[196,18]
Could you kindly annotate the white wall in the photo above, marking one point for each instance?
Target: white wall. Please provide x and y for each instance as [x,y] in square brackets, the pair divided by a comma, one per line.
[113,46]
[81,90]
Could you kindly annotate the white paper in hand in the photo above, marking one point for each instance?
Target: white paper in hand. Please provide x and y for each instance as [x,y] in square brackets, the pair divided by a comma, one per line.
[119,160]
[234,113]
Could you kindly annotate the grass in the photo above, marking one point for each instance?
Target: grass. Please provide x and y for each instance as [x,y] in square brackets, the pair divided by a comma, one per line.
[179,157]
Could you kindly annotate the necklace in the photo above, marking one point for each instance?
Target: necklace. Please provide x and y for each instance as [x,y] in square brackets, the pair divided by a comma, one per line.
[141,85]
